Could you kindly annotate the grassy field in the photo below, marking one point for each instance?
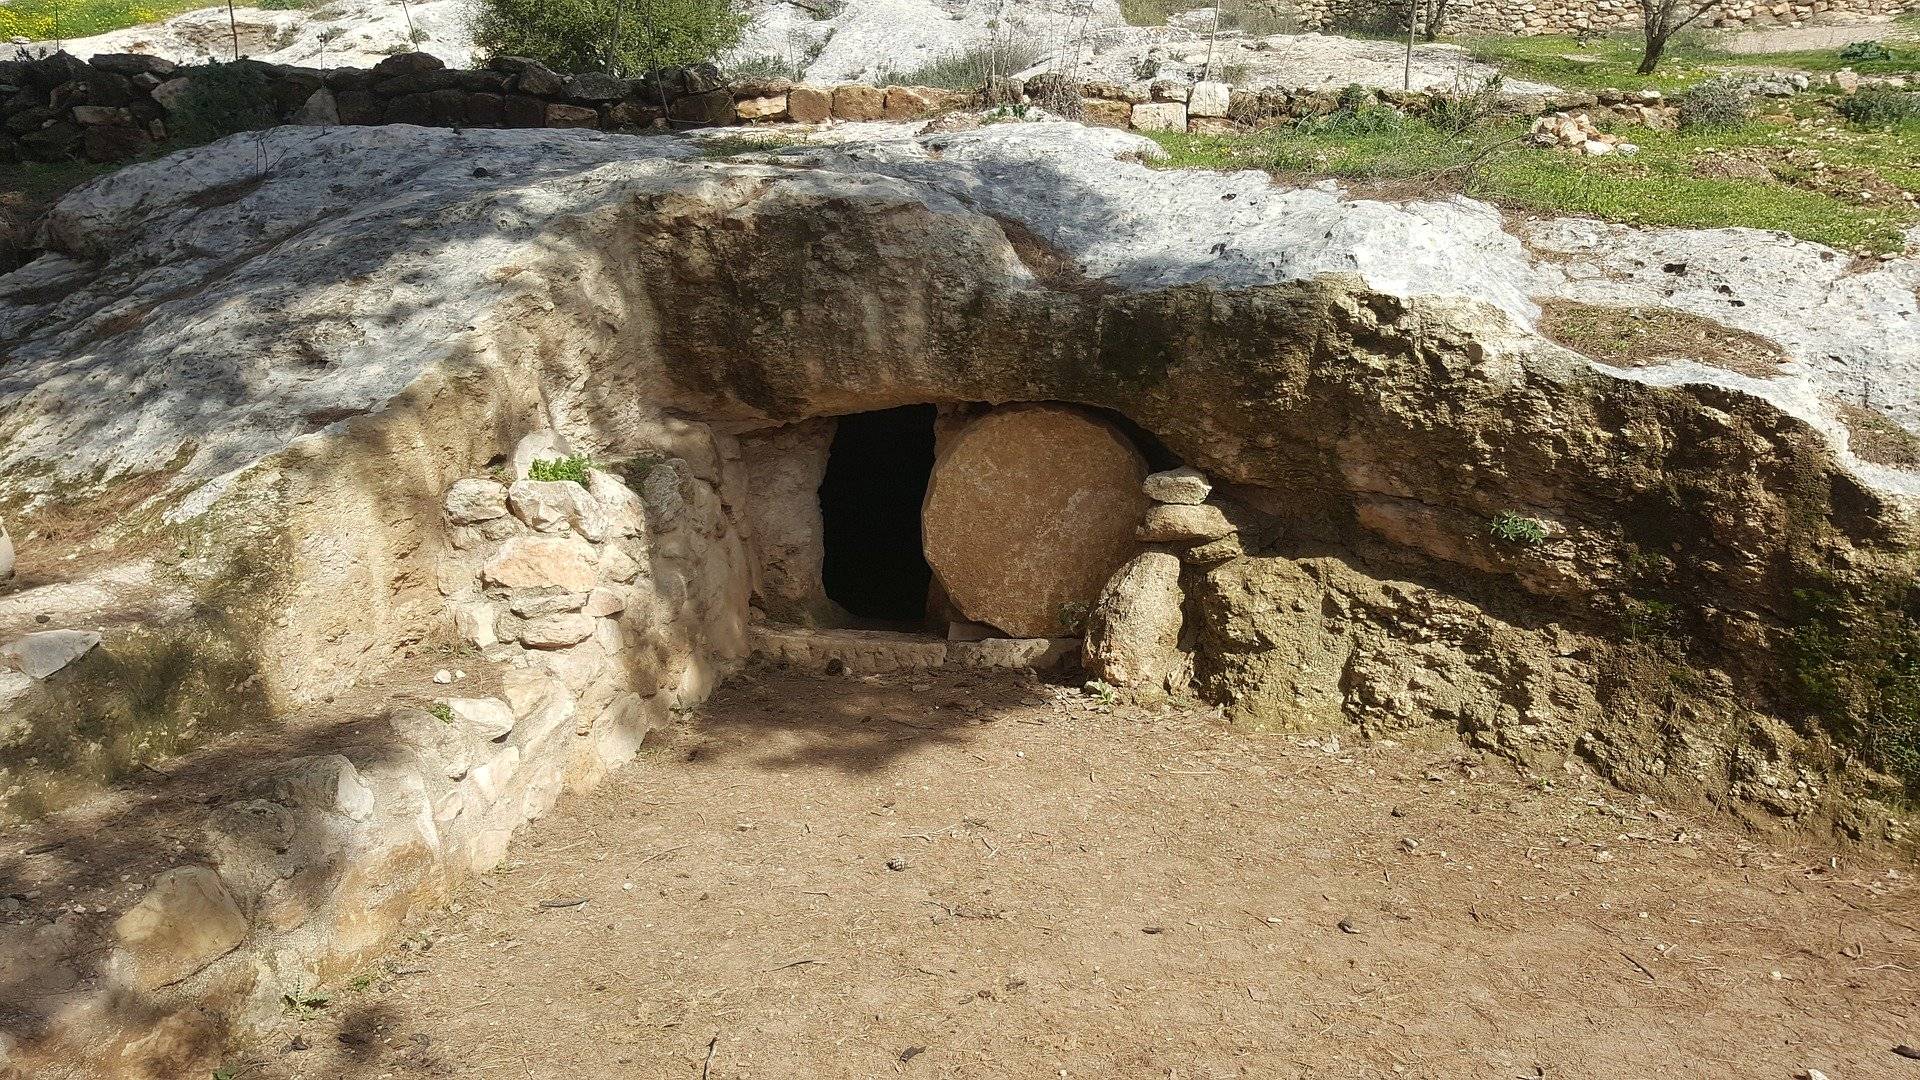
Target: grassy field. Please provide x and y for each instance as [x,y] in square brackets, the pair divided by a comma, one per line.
[46,20]
[1677,179]
[1610,61]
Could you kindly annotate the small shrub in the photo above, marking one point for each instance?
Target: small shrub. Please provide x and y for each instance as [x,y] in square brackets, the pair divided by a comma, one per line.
[573,467]
[1881,108]
[1073,617]
[1468,107]
[968,69]
[442,712]
[1854,658]
[624,37]
[1513,528]
[221,100]
[1865,52]
[1716,103]
[1356,113]
[1650,620]
[1101,692]
[767,66]
[1368,18]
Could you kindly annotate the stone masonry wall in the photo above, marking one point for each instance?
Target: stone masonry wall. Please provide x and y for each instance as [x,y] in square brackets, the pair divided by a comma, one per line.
[120,106]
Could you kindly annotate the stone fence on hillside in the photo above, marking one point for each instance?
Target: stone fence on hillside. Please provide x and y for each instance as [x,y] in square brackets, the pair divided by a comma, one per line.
[121,106]
[125,106]
[1572,16]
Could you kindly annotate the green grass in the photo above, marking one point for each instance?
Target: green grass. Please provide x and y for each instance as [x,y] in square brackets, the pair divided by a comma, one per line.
[1689,59]
[46,19]
[1655,187]
[43,20]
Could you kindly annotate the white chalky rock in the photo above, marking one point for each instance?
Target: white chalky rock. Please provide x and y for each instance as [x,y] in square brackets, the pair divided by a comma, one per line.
[470,502]
[6,553]
[620,506]
[539,446]
[1208,99]
[540,562]
[556,505]
[1184,486]
[325,782]
[1160,116]
[489,718]
[556,631]
[184,922]
[41,654]
[13,686]
[1173,523]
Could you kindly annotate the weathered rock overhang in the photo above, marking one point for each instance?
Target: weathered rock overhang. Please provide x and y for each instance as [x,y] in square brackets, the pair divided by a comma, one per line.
[667,308]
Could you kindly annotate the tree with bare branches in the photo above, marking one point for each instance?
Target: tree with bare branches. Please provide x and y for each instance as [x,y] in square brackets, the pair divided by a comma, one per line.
[1661,19]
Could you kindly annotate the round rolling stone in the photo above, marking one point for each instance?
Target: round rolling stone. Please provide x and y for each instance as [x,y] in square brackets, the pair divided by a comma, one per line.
[1030,509]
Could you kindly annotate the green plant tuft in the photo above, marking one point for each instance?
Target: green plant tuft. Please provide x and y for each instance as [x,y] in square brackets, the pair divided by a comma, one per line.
[624,37]
[1861,52]
[1854,659]
[1882,108]
[1513,528]
[222,100]
[572,467]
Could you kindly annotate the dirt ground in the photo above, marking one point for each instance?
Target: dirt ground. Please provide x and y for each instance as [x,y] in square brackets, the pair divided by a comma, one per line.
[955,875]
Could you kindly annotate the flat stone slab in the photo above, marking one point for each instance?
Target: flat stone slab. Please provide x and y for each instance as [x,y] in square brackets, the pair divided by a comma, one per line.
[1030,509]
[874,652]
[40,655]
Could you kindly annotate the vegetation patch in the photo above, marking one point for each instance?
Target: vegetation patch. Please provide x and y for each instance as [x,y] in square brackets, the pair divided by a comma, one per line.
[1854,664]
[968,69]
[1635,337]
[1814,191]
[572,467]
[728,146]
[47,20]
[1873,437]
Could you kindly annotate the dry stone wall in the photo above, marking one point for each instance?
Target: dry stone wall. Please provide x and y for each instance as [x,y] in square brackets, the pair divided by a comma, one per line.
[120,106]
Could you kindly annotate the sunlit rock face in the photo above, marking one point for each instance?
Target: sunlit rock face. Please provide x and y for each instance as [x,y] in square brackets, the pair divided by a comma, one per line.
[296,385]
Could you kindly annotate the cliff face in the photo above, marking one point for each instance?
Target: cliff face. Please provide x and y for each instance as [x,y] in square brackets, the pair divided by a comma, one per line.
[274,356]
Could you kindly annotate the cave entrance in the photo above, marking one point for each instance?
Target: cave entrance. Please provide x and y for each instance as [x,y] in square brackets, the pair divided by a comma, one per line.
[876,480]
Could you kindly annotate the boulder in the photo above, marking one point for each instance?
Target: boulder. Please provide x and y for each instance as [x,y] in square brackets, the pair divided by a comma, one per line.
[538,562]
[1160,116]
[556,631]
[470,502]
[572,116]
[488,718]
[809,105]
[319,110]
[771,107]
[41,654]
[408,63]
[1169,523]
[6,553]
[1133,634]
[905,103]
[1209,99]
[711,109]
[555,506]
[186,921]
[1183,486]
[857,101]
[1030,509]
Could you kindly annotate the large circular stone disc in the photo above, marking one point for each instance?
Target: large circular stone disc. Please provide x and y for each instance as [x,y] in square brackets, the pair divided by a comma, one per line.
[1031,508]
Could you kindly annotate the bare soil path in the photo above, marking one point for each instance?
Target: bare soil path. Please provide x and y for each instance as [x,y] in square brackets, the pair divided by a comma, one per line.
[960,875]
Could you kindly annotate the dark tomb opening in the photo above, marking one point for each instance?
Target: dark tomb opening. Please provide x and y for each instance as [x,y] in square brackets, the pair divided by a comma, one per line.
[870,500]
